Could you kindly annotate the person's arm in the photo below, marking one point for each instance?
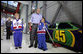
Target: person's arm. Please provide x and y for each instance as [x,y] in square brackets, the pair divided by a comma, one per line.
[47,22]
[22,25]
[46,25]
[29,24]
[31,20]
[12,27]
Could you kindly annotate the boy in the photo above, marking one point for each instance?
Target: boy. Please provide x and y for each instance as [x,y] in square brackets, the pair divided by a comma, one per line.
[41,35]
[17,27]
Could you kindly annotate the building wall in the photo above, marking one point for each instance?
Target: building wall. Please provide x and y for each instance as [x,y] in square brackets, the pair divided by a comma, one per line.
[74,7]
[40,4]
[29,11]
[51,10]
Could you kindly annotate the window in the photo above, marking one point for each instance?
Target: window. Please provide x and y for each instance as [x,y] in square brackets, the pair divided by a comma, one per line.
[77,25]
[13,3]
[52,26]
[64,26]
[4,1]
[3,4]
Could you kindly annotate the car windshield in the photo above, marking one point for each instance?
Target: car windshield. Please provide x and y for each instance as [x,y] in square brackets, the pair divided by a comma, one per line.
[79,26]
[64,26]
[52,26]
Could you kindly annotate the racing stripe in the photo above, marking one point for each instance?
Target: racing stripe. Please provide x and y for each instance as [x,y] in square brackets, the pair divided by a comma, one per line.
[80,31]
[73,42]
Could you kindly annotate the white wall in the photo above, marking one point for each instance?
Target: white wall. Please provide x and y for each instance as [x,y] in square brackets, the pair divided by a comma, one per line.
[74,7]
[29,11]
[50,13]
[40,4]
[23,16]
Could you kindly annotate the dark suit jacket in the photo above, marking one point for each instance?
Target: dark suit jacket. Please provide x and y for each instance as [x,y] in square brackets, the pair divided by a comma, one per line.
[8,24]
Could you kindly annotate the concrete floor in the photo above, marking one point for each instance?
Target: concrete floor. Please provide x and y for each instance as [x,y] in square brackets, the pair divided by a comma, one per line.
[7,46]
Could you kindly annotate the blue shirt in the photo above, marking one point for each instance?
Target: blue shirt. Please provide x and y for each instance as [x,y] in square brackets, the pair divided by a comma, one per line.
[35,18]
[41,26]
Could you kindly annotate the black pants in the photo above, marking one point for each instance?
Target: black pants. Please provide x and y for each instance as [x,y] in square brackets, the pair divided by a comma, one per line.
[8,33]
[30,35]
[34,35]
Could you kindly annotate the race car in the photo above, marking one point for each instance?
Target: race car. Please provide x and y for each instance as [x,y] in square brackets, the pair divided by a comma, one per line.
[67,34]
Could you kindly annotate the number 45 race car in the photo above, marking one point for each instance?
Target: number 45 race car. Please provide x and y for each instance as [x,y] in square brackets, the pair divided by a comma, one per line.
[66,34]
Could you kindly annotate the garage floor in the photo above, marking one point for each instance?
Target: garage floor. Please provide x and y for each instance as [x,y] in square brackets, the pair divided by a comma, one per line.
[7,46]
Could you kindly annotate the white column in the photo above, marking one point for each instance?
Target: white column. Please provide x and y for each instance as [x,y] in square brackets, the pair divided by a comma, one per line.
[23,16]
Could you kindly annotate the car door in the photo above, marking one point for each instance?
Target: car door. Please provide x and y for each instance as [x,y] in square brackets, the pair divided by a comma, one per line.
[63,36]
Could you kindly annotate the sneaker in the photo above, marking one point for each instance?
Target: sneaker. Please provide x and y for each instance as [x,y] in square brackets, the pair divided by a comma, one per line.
[45,49]
[6,38]
[30,46]
[35,46]
[16,48]
[20,47]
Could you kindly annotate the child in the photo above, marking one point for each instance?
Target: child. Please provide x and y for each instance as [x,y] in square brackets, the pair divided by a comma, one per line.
[41,35]
[17,27]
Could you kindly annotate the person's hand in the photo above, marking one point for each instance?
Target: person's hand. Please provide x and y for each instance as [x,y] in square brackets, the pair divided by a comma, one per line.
[44,24]
[29,27]
[13,31]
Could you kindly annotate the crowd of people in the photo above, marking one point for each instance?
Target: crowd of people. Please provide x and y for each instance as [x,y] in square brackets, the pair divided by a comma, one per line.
[37,26]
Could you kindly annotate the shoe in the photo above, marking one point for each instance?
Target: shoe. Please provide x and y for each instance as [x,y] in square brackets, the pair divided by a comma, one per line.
[44,49]
[6,38]
[20,47]
[35,46]
[30,46]
[16,48]
[40,48]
